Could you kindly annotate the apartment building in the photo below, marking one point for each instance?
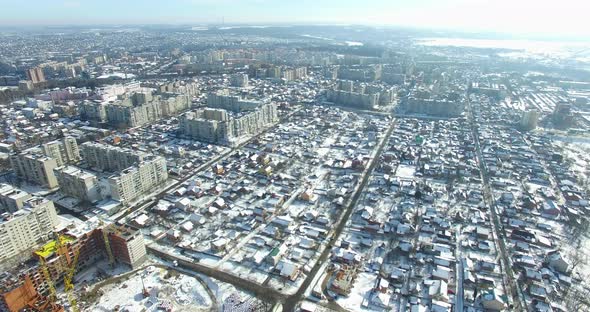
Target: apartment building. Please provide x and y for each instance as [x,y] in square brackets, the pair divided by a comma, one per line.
[209,125]
[440,107]
[35,74]
[64,151]
[12,199]
[221,126]
[172,104]
[228,118]
[134,110]
[353,99]
[223,99]
[239,80]
[94,111]
[78,183]
[139,179]
[109,158]
[133,116]
[190,89]
[26,228]
[127,245]
[35,167]
[363,95]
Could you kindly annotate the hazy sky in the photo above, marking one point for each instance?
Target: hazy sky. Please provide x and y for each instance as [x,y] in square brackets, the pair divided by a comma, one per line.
[511,16]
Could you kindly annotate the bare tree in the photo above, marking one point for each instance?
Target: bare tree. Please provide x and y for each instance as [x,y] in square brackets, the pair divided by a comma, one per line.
[578,256]
[578,299]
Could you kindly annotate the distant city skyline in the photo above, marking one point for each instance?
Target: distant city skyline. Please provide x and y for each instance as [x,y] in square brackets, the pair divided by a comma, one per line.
[553,18]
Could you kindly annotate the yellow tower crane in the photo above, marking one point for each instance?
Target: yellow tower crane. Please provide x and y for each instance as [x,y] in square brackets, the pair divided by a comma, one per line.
[68,281]
[107,243]
[47,276]
[107,246]
[45,269]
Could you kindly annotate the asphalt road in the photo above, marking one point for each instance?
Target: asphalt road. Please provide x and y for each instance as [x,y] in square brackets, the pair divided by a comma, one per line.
[510,282]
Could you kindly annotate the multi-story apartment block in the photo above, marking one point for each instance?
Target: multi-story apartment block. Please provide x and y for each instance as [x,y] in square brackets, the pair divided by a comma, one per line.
[134,110]
[109,158]
[221,126]
[239,80]
[172,104]
[140,179]
[353,99]
[32,166]
[78,183]
[64,151]
[95,111]
[26,228]
[225,100]
[190,89]
[127,245]
[12,199]
[210,125]
[442,107]
[35,74]
[133,116]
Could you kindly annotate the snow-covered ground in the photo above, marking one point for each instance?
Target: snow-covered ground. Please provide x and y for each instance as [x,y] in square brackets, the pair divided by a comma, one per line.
[184,292]
[359,293]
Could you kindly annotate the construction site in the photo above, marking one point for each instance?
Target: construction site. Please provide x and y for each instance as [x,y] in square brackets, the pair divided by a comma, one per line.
[153,288]
[32,286]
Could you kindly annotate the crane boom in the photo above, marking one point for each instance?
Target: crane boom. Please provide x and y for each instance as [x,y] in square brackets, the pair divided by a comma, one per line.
[45,270]
[68,281]
[107,246]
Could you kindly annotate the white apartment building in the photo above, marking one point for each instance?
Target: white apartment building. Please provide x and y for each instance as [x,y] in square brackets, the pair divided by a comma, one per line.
[64,151]
[34,167]
[78,183]
[109,158]
[27,228]
[239,80]
[127,245]
[138,180]
[12,199]
[225,126]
